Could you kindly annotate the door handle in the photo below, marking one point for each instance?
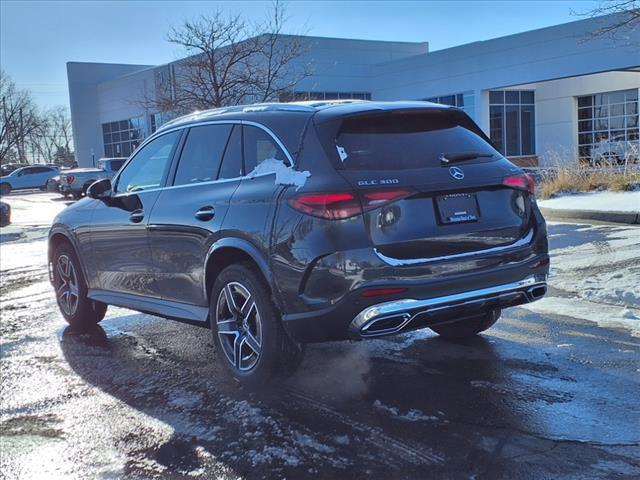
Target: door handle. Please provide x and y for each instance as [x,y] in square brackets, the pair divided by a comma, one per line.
[136,216]
[205,213]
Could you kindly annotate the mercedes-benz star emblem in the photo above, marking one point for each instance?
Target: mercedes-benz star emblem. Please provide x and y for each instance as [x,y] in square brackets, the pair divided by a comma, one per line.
[456,173]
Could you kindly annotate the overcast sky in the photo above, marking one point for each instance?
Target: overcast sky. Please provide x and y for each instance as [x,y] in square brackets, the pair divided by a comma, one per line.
[38,38]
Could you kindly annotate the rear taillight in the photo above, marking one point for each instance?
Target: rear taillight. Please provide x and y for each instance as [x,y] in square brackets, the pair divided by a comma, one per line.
[333,206]
[340,205]
[520,182]
[70,179]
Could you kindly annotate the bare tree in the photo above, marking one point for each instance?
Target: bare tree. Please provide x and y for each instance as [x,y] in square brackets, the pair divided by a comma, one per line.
[276,71]
[230,61]
[622,17]
[55,137]
[19,120]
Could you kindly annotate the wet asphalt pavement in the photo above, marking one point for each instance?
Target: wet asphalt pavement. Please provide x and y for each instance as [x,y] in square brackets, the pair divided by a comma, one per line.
[537,396]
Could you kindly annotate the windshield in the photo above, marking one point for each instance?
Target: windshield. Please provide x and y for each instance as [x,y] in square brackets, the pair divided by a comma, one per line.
[407,140]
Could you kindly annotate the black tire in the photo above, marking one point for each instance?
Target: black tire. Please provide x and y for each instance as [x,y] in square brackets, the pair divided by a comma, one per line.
[467,327]
[255,331]
[5,188]
[71,291]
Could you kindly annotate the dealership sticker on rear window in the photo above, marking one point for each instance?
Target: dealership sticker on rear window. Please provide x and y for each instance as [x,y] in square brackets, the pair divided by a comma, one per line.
[342,153]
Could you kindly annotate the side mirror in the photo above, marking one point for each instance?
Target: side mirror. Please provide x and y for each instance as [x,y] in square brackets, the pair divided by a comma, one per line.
[99,189]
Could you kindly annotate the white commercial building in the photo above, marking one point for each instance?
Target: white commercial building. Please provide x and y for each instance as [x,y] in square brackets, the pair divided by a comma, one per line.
[543,96]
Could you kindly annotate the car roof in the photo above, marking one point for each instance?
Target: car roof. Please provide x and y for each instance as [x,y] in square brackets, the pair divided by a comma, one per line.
[34,166]
[323,109]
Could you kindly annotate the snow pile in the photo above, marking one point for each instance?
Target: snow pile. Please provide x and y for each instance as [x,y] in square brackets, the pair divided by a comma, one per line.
[603,315]
[284,175]
[604,269]
[596,201]
[600,271]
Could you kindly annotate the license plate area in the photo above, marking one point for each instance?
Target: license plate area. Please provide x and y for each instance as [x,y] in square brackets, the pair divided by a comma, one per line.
[458,208]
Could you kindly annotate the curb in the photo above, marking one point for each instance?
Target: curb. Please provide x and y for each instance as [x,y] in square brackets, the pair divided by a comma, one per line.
[629,218]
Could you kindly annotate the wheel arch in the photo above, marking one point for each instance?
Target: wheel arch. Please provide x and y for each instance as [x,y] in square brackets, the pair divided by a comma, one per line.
[58,236]
[228,251]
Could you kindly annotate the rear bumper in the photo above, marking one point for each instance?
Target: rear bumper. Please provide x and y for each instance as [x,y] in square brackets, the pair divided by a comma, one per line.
[395,316]
[425,303]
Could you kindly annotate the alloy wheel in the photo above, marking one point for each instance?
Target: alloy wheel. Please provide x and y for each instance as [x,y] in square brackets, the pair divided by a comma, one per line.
[68,290]
[239,326]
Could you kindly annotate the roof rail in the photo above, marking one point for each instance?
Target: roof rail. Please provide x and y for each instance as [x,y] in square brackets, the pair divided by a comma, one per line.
[303,106]
[256,107]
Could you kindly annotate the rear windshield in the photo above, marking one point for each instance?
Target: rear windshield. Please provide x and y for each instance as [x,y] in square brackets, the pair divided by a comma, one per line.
[408,140]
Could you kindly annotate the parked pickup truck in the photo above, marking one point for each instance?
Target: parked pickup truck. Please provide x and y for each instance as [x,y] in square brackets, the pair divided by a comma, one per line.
[75,182]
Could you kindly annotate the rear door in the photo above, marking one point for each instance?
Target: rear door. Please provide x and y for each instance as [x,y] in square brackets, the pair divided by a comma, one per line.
[436,197]
[188,216]
[253,204]
[31,177]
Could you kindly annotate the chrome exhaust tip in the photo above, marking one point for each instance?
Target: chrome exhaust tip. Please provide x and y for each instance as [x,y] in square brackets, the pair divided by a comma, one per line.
[385,325]
[536,292]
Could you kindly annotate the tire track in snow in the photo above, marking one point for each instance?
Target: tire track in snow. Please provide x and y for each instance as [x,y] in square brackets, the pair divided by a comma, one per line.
[416,454]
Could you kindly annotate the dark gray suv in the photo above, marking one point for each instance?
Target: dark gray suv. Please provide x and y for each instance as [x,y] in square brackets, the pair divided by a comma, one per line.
[281,224]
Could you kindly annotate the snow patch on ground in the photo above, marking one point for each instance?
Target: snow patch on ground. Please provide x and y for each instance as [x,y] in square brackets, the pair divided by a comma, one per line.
[412,415]
[604,270]
[603,315]
[596,201]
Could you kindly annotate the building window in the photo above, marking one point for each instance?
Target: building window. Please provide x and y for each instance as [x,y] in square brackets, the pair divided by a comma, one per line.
[608,127]
[123,137]
[305,96]
[512,121]
[464,101]
[159,119]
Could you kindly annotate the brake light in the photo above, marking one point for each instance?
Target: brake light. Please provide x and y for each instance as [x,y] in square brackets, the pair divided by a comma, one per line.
[70,179]
[520,182]
[333,206]
[341,205]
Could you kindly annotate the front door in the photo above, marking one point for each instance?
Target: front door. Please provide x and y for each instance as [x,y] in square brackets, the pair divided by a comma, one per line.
[188,215]
[121,257]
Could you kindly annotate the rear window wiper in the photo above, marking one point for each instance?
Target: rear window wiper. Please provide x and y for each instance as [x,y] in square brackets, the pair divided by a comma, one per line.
[447,158]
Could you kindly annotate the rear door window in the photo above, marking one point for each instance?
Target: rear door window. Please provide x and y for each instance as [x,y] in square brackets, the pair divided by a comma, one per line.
[258,147]
[390,141]
[202,154]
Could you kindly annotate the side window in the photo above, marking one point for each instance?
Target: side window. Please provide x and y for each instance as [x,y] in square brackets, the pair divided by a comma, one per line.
[232,162]
[28,171]
[258,147]
[147,168]
[202,154]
